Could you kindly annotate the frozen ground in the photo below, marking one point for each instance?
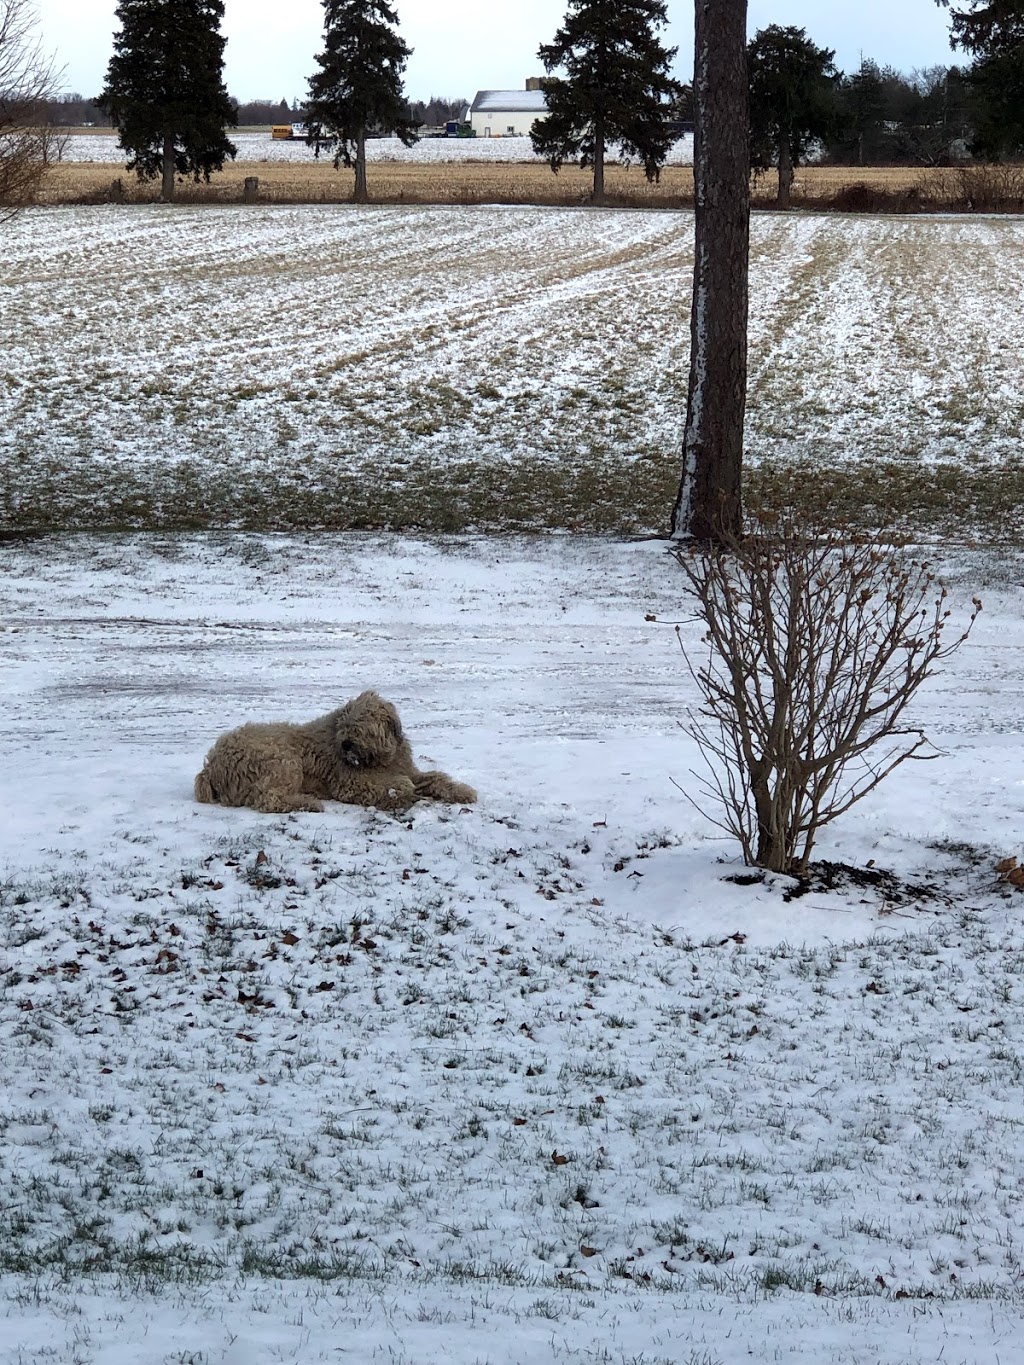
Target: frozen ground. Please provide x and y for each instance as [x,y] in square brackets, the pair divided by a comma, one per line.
[262,147]
[306,366]
[519,1083]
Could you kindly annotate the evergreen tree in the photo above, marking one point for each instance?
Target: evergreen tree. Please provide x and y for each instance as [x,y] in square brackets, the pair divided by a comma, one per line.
[993,32]
[358,88]
[165,90]
[616,89]
[792,100]
[862,114]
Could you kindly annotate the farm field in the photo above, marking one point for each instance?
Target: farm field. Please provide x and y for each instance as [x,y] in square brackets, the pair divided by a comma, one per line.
[257,147]
[531,1081]
[480,171]
[493,368]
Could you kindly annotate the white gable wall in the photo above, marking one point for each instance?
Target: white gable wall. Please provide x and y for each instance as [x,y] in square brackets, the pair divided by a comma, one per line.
[503,122]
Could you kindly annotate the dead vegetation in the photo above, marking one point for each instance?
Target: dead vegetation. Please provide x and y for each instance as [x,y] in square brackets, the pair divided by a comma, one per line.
[844,189]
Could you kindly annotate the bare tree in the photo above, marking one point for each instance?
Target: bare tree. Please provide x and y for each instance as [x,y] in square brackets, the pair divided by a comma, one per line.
[28,79]
[708,504]
[817,646]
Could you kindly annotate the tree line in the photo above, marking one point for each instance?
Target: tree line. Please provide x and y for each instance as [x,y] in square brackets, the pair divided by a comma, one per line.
[73,110]
[608,85]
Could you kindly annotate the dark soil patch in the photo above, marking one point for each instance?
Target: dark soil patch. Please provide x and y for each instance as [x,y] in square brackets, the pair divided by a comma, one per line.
[827,876]
[887,886]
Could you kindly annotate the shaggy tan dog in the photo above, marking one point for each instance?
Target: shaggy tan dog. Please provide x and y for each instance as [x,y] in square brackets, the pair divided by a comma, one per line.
[357,753]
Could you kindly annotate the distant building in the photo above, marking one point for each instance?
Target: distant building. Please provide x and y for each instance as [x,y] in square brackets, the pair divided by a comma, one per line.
[508,113]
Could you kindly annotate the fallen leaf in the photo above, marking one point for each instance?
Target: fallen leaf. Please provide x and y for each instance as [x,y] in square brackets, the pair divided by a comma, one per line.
[261,858]
[588,1251]
[558,1159]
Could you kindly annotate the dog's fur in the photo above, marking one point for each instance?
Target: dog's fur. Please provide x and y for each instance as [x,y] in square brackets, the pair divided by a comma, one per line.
[357,754]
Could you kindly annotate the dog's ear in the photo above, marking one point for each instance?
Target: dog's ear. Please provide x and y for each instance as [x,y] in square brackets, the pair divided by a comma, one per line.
[393,722]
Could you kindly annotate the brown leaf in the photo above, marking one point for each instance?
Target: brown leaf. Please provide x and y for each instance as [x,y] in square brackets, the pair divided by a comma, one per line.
[558,1159]
[289,939]
[246,1037]
[1016,877]
[261,858]
[519,1122]
[650,616]
[1006,865]
[588,1251]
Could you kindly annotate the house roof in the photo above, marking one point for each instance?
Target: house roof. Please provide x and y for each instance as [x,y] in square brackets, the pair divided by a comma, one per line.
[509,102]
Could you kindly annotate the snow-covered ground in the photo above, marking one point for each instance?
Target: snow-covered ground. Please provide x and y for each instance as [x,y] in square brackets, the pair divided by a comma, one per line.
[530,1081]
[220,358]
[262,147]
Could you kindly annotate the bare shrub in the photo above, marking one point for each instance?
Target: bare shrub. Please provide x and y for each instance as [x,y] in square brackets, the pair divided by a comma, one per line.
[28,79]
[817,646]
[997,188]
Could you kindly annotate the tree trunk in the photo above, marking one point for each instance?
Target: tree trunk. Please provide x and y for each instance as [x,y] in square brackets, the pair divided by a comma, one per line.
[167,188]
[598,195]
[785,172]
[708,505]
[360,194]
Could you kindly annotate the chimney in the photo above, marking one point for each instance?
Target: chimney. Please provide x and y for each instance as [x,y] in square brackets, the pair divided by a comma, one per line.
[535,83]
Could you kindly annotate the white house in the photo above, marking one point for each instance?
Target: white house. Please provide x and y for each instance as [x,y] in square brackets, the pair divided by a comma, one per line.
[507,113]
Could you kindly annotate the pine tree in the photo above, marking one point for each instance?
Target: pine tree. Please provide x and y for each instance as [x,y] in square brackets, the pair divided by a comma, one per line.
[358,88]
[616,89]
[793,100]
[165,90]
[993,31]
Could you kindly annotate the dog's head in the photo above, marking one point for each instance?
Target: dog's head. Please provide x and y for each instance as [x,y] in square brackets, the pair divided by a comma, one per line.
[367,732]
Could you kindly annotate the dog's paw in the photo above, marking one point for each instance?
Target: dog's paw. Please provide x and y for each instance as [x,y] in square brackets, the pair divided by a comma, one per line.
[399,795]
[440,787]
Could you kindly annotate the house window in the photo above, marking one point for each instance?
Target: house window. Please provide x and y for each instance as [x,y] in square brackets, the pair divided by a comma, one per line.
[510,128]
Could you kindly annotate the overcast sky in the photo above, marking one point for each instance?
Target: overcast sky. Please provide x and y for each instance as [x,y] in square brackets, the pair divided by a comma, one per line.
[460,46]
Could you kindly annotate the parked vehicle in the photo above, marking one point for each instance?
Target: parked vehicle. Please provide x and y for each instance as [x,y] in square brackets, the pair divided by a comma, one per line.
[288,132]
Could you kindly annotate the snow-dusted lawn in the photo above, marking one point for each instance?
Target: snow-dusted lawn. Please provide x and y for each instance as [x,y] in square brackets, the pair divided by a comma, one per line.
[482,367]
[520,1083]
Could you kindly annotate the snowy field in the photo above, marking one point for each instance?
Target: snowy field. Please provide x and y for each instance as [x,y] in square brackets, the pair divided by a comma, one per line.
[520,1083]
[290,367]
[262,147]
